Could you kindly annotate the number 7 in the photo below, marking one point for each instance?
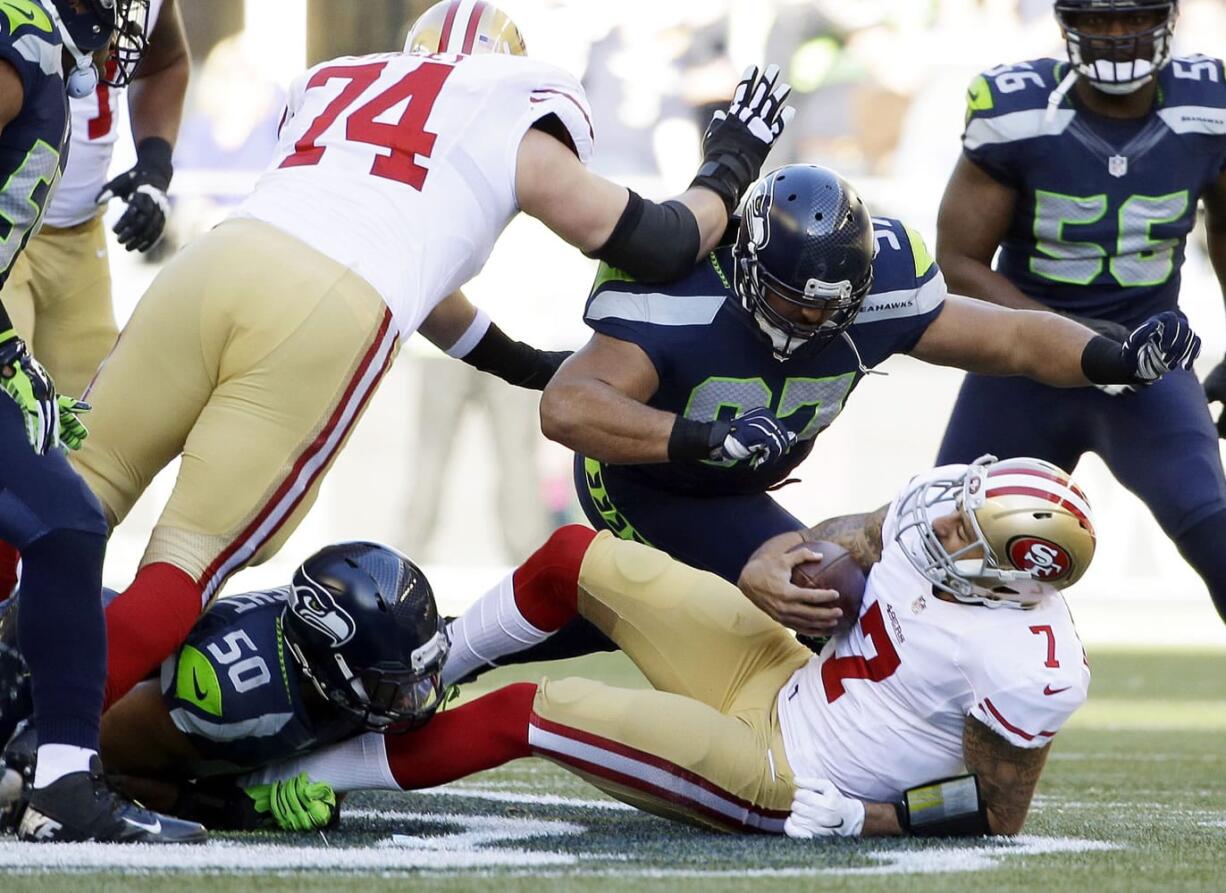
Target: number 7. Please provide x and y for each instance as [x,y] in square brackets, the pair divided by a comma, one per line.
[1046,630]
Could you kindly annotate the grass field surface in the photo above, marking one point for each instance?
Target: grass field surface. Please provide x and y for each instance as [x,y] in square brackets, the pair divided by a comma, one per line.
[1132,800]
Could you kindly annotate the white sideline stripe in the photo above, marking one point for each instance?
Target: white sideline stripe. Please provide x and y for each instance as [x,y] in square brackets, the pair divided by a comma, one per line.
[513,797]
[366,384]
[550,742]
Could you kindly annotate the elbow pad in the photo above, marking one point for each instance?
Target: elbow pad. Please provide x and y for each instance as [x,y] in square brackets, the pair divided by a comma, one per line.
[652,242]
[950,807]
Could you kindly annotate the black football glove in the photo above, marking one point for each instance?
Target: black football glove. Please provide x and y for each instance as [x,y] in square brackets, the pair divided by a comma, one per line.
[1160,344]
[757,437]
[738,140]
[1215,392]
[144,189]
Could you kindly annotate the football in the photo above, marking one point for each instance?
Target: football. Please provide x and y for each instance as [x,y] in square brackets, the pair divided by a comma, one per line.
[838,571]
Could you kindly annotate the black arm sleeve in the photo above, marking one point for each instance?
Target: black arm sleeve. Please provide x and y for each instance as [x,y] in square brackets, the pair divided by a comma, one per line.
[513,361]
[651,242]
[5,322]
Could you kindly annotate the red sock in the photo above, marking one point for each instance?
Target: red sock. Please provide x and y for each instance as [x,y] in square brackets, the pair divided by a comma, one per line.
[146,623]
[547,584]
[9,557]
[480,735]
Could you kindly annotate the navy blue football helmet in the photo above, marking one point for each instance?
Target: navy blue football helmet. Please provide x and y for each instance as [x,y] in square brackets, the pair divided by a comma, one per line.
[805,236]
[364,629]
[87,26]
[1118,63]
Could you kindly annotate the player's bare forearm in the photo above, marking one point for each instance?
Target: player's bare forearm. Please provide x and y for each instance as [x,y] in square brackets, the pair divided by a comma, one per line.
[1215,226]
[595,419]
[858,534]
[974,216]
[12,93]
[1007,774]
[980,337]
[880,820]
[139,738]
[708,209]
[448,321]
[157,93]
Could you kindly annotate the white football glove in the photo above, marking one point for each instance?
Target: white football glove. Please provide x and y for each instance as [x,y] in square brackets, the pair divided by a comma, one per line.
[819,809]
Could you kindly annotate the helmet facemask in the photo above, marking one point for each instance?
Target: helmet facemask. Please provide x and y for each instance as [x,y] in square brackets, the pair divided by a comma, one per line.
[131,41]
[1118,64]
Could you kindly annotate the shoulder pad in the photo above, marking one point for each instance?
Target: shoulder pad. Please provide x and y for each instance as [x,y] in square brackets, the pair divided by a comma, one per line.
[1009,103]
[1194,95]
[906,280]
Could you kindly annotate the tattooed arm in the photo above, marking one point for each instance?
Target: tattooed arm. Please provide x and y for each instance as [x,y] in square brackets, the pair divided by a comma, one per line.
[1007,774]
[858,534]
[766,578]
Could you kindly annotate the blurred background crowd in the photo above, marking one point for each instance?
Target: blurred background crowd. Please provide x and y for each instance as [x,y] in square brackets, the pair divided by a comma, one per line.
[449,464]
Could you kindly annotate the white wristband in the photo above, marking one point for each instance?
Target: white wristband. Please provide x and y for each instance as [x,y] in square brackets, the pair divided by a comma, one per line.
[474,333]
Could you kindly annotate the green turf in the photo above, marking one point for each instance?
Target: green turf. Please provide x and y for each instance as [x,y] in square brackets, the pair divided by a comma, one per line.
[1141,767]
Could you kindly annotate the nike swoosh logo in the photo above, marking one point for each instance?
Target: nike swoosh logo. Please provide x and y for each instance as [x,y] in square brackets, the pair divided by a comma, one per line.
[1048,690]
[201,694]
[24,13]
[834,827]
[155,828]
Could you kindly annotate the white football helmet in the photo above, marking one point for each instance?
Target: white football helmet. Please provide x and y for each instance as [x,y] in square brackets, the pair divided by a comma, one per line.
[1032,527]
[465,27]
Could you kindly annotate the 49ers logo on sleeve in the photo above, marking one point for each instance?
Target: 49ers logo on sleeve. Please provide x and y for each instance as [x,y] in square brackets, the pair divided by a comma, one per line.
[1043,558]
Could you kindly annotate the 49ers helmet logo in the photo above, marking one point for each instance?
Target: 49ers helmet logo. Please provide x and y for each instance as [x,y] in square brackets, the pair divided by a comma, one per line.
[1042,558]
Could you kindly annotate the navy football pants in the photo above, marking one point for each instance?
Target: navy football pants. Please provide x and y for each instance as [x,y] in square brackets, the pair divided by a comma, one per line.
[1160,443]
[48,513]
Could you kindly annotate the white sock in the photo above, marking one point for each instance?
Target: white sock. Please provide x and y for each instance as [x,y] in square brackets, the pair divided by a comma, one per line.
[490,629]
[57,760]
[359,764]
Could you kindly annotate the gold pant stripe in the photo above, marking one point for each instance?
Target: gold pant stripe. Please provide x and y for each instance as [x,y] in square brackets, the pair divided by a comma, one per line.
[310,464]
[660,780]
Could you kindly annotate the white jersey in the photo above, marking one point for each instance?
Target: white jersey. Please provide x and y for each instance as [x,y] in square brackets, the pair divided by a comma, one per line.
[884,706]
[402,167]
[91,146]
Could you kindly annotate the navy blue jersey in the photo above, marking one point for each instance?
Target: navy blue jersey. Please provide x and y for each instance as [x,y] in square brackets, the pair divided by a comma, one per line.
[34,145]
[713,360]
[1104,205]
[234,690]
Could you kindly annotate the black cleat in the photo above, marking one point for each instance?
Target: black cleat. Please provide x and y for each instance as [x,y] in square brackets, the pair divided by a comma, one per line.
[79,806]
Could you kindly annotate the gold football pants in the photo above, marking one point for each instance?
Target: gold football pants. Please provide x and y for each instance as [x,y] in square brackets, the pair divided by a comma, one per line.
[704,746]
[252,356]
[59,298]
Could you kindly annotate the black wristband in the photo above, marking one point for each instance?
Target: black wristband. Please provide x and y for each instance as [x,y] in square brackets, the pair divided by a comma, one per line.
[514,362]
[155,154]
[691,441]
[1103,362]
[732,160]
[950,807]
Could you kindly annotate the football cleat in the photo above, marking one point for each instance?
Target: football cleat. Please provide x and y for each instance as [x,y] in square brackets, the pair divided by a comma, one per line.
[465,27]
[80,806]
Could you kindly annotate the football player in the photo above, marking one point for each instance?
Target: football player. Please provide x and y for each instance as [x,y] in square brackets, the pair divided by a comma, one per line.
[257,348]
[933,714]
[690,402]
[45,509]
[59,291]
[1086,173]
[354,644]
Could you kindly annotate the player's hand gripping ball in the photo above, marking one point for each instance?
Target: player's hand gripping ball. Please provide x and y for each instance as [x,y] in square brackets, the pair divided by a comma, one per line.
[838,571]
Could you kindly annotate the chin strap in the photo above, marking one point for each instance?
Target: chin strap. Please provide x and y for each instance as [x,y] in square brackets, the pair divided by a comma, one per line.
[83,79]
[1057,96]
[864,370]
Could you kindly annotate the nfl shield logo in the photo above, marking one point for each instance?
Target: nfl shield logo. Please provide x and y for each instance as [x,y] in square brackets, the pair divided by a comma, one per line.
[1117,165]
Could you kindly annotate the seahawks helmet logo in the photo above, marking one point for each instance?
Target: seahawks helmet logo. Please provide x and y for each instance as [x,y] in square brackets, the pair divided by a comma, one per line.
[315,606]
